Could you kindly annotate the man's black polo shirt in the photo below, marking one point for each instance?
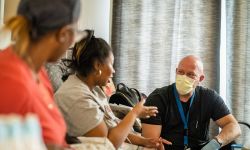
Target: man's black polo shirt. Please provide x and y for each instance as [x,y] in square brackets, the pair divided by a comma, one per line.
[207,104]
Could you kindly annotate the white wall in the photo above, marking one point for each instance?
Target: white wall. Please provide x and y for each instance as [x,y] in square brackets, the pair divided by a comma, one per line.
[96,15]
[8,10]
[1,11]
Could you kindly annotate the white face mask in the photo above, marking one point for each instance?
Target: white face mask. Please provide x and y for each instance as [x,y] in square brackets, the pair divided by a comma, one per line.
[184,84]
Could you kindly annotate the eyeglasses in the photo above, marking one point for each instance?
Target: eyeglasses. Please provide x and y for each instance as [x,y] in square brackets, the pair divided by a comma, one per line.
[191,75]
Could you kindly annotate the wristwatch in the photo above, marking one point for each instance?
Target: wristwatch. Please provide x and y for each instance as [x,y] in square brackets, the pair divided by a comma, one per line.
[216,139]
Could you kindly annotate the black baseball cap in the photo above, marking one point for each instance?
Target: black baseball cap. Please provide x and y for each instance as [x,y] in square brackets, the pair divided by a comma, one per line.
[48,15]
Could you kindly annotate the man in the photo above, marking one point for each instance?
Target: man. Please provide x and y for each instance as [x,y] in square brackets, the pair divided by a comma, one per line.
[185,109]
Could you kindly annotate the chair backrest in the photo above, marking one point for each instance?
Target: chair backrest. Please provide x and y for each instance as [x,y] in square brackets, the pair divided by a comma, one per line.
[55,74]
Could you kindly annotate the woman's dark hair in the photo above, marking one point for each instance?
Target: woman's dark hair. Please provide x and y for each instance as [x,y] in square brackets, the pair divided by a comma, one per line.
[86,52]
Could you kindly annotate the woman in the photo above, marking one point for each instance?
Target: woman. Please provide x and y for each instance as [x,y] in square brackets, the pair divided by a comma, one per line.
[41,34]
[85,106]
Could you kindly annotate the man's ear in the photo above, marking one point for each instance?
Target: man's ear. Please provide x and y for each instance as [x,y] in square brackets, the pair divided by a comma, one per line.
[202,77]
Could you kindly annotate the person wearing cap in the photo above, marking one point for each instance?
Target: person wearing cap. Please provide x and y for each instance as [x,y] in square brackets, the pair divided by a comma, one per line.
[42,31]
[185,109]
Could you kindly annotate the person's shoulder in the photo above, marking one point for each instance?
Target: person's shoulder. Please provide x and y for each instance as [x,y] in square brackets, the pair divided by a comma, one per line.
[163,90]
[16,94]
[72,91]
[11,65]
[6,53]
[208,95]
[206,91]
[161,94]
[16,77]
[15,74]
[72,86]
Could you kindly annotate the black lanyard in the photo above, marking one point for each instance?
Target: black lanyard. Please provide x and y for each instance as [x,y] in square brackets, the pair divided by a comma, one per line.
[183,117]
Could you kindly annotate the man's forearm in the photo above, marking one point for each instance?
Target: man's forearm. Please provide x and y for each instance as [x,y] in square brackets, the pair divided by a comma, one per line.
[229,133]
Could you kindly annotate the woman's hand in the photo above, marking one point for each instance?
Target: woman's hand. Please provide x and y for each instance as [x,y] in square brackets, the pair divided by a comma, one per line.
[151,142]
[144,111]
[155,143]
[162,142]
